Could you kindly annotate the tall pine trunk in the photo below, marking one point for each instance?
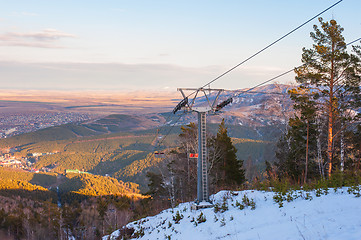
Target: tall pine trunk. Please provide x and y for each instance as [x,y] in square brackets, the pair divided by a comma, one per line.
[329,143]
[330,115]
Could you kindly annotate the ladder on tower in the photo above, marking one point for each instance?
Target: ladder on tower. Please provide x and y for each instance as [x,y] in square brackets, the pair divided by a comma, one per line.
[204,157]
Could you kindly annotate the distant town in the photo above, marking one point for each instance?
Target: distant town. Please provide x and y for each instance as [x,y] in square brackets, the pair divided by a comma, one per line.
[8,159]
[19,123]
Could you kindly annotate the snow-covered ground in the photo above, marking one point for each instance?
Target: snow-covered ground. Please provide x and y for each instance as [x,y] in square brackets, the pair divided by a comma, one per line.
[307,215]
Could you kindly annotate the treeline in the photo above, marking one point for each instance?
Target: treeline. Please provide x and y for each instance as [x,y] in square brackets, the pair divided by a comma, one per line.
[324,136]
[89,219]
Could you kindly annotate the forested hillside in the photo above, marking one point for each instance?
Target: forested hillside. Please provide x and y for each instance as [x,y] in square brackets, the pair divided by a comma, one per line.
[86,185]
[45,206]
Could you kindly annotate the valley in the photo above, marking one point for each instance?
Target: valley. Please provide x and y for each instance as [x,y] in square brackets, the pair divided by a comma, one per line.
[95,166]
[121,145]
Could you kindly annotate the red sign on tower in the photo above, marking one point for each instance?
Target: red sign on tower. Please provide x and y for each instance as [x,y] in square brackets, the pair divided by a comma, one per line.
[193,155]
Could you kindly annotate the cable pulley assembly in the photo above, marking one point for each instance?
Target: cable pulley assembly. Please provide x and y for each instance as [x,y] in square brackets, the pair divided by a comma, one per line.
[223,104]
[181,104]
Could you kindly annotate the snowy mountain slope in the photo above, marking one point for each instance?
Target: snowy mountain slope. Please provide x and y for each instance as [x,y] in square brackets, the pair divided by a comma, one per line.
[336,215]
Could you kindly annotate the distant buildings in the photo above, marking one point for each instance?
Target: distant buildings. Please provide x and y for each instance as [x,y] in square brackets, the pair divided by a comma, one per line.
[76,171]
[19,123]
[7,159]
[10,161]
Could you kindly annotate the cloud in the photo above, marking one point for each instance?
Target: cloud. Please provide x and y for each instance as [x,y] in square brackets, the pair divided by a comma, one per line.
[29,44]
[45,35]
[118,76]
[46,38]
[19,14]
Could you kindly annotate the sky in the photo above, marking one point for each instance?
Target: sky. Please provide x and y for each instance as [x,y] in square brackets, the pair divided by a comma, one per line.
[156,45]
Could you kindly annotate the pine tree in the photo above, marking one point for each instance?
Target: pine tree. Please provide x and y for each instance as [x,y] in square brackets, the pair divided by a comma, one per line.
[156,185]
[228,169]
[332,73]
[306,107]
[294,149]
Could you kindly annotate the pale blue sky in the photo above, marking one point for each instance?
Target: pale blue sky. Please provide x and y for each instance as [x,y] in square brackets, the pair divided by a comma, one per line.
[131,45]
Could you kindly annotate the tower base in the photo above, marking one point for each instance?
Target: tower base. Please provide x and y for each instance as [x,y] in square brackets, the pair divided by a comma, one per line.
[202,205]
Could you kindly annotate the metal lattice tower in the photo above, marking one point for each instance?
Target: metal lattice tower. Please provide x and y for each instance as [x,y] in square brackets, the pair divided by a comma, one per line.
[202,170]
[208,106]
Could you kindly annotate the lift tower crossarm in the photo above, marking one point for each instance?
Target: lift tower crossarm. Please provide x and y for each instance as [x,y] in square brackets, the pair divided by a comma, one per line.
[211,105]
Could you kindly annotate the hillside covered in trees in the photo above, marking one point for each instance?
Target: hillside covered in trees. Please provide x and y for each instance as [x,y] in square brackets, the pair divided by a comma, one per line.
[44,206]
